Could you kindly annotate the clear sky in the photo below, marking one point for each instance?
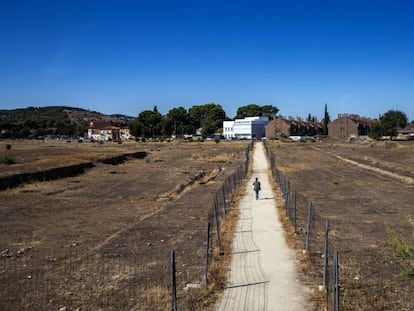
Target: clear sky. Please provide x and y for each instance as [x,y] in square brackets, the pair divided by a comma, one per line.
[129,56]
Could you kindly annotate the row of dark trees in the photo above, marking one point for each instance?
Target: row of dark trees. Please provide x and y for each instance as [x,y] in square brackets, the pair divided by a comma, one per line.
[40,122]
[179,121]
[40,127]
[34,122]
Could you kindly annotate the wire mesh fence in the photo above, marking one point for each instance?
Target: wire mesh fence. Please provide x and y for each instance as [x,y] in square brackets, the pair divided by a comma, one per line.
[337,261]
[62,279]
[312,231]
[73,279]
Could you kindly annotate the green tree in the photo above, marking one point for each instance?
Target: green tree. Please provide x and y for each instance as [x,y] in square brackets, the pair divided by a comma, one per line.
[177,121]
[253,110]
[392,120]
[376,130]
[7,129]
[81,129]
[65,128]
[209,115]
[147,124]
[269,111]
[326,120]
[209,127]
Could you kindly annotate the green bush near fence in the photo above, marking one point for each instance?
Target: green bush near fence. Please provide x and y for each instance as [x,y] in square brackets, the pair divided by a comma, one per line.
[402,251]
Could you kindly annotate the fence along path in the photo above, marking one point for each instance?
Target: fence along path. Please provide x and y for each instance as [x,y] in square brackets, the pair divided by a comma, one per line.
[263,268]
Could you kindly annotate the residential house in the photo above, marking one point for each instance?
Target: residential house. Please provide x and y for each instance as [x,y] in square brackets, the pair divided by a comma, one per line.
[294,128]
[349,125]
[108,130]
[406,133]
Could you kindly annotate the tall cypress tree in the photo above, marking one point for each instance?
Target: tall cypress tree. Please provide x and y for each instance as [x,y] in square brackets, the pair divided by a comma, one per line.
[326,120]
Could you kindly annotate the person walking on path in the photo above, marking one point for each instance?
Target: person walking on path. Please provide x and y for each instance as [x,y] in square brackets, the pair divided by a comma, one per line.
[256,187]
[264,272]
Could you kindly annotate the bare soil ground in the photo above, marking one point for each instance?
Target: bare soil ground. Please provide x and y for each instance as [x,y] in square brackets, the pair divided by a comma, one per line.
[371,215]
[100,235]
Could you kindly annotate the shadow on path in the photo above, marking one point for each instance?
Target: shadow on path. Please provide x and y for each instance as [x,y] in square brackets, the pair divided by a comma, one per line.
[263,268]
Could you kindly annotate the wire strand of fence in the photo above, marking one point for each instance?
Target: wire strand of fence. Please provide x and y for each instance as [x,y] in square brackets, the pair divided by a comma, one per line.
[310,228]
[121,278]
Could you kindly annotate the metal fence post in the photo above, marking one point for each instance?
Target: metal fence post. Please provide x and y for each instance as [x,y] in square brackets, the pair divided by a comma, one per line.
[216,203]
[294,211]
[308,226]
[173,283]
[207,252]
[218,228]
[326,254]
[224,200]
[287,202]
[336,282]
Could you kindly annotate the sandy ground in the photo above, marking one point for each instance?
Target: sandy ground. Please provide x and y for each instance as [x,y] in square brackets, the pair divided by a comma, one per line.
[263,272]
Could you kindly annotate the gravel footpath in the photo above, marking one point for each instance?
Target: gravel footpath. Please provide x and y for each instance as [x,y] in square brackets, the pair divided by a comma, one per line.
[263,270]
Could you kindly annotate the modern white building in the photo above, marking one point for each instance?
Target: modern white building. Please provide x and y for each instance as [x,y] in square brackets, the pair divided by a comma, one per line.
[247,128]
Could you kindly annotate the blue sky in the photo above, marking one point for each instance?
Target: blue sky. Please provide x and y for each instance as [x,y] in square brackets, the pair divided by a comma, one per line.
[129,56]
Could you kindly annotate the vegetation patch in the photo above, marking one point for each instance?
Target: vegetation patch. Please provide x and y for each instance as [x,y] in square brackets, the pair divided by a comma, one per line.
[375,265]
[101,240]
[402,251]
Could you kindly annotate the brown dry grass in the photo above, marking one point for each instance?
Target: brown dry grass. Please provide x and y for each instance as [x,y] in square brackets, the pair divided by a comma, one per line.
[222,158]
[112,210]
[205,298]
[316,298]
[360,203]
[220,267]
[157,297]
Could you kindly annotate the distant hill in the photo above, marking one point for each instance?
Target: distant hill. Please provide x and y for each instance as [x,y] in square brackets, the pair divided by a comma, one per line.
[57,120]
[76,115]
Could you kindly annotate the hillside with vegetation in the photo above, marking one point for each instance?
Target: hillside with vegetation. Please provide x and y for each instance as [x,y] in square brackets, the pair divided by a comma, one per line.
[33,122]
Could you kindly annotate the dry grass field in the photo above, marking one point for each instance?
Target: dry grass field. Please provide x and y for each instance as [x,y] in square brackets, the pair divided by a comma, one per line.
[366,190]
[102,238]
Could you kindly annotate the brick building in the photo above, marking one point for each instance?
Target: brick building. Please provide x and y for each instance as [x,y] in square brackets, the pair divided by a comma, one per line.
[290,127]
[346,126]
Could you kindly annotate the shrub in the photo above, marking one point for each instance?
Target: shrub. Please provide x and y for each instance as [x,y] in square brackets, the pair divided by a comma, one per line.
[8,160]
[402,251]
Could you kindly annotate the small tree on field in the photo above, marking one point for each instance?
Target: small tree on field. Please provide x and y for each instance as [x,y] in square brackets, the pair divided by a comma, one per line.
[392,120]
[7,159]
[376,131]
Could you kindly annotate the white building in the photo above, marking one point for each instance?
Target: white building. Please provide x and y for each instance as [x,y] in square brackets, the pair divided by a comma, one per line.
[108,130]
[247,128]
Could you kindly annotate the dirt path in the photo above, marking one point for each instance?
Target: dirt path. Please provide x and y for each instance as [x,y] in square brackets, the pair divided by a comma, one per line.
[263,269]
[370,168]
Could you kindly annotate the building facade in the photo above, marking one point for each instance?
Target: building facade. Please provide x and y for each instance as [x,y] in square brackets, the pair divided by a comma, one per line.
[108,130]
[349,126]
[247,128]
[289,127]
[406,133]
